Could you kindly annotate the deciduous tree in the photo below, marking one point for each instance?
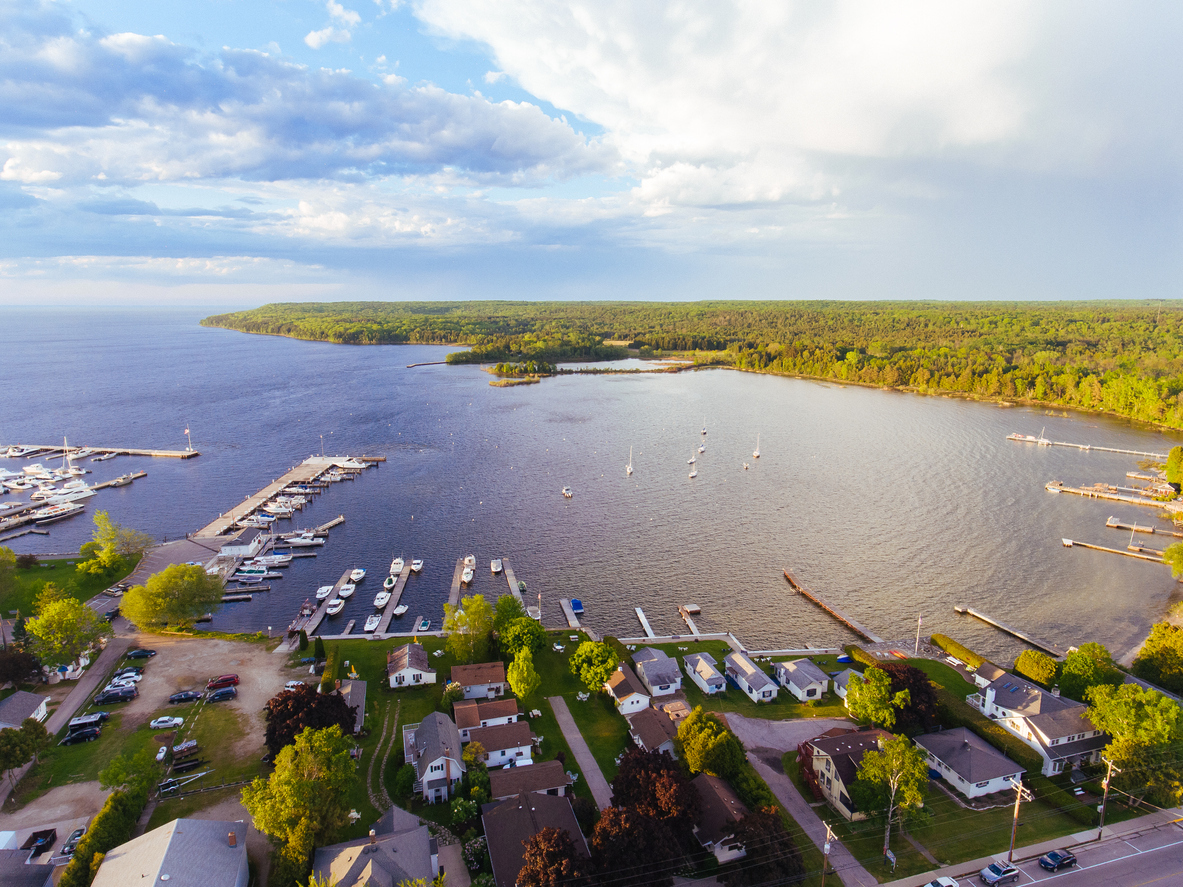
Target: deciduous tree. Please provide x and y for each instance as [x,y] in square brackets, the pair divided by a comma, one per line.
[1086,667]
[1160,660]
[507,611]
[1173,558]
[15,752]
[112,545]
[7,571]
[707,746]
[37,738]
[291,712]
[630,849]
[468,626]
[523,634]
[652,783]
[17,666]
[891,781]
[871,699]
[770,857]
[65,630]
[1038,667]
[177,595]
[523,679]
[593,663]
[1147,739]
[551,860]
[920,711]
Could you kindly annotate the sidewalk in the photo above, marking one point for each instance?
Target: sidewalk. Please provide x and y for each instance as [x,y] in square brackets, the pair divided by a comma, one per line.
[583,756]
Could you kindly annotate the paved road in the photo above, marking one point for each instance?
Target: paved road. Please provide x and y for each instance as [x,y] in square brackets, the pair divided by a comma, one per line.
[1152,858]
[587,763]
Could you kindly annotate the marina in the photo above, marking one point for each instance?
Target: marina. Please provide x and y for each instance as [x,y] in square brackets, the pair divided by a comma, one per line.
[857,627]
[396,594]
[59,450]
[1047,647]
[314,621]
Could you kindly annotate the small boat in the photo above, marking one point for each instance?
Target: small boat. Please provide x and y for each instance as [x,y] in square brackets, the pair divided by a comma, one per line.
[576,606]
[347,589]
[567,494]
[303,540]
[470,560]
[467,575]
[272,560]
[258,570]
[56,513]
[628,469]
[35,468]
[692,459]
[396,565]
[82,453]
[416,566]
[357,575]
[323,592]
[704,427]
[19,484]
[702,447]
[44,492]
[693,471]
[382,599]
[122,481]
[388,582]
[424,625]
[495,565]
[746,466]
[756,452]
[104,457]
[248,579]
[400,610]
[336,605]
[372,622]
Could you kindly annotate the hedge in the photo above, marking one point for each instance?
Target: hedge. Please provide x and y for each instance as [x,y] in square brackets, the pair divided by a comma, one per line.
[859,655]
[753,790]
[112,826]
[328,680]
[950,646]
[954,712]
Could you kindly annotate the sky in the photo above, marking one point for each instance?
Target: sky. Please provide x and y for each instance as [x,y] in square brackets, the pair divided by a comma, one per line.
[235,153]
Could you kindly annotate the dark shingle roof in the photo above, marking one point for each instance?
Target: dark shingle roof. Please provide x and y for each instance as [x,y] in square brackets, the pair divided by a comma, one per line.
[192,852]
[802,672]
[19,706]
[538,777]
[390,860]
[970,756]
[721,808]
[624,683]
[408,656]
[509,823]
[652,727]
[512,735]
[436,737]
[470,712]
[479,673]
[847,750]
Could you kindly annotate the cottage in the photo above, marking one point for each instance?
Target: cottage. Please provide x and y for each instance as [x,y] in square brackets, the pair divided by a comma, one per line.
[749,677]
[505,744]
[17,871]
[986,674]
[354,694]
[658,672]
[21,706]
[702,670]
[627,690]
[398,850]
[433,747]
[408,666]
[830,765]
[968,763]
[653,730]
[508,823]
[721,811]
[802,678]
[248,543]
[472,713]
[185,852]
[484,680]
[544,778]
[842,682]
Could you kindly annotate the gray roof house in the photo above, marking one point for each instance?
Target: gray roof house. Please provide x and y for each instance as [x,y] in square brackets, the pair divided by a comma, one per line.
[968,763]
[408,666]
[508,823]
[802,678]
[17,871]
[20,706]
[702,670]
[721,810]
[433,746]
[986,673]
[185,852]
[749,677]
[652,730]
[543,777]
[395,851]
[842,681]
[355,697]
[658,672]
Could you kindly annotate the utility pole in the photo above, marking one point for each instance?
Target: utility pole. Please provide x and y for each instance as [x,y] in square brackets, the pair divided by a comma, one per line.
[1105,798]
[826,852]
[1021,794]
[916,651]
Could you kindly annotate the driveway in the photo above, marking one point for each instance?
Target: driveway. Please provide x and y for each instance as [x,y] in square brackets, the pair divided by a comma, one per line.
[600,789]
[780,735]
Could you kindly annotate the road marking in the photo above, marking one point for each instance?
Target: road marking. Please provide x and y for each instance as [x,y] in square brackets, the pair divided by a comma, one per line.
[1084,868]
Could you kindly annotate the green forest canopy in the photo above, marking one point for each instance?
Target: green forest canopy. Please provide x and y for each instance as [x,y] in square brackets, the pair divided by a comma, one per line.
[1124,358]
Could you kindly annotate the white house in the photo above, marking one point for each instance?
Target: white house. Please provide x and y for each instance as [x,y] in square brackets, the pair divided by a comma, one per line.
[702,670]
[653,730]
[658,672]
[802,678]
[749,677]
[248,543]
[483,680]
[505,744]
[19,707]
[720,811]
[986,674]
[627,690]
[543,778]
[408,666]
[205,851]
[1055,727]
[842,682]
[968,763]
[433,747]
[473,713]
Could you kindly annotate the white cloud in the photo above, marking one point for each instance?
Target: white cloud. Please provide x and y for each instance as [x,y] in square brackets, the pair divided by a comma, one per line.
[494,76]
[341,14]
[317,39]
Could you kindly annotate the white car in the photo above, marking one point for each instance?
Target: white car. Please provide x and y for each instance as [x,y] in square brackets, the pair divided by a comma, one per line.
[160,754]
[166,722]
[293,685]
[129,676]
[942,882]
[121,685]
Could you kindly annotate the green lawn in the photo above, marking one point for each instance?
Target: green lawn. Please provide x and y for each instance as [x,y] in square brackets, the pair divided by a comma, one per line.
[944,675]
[62,573]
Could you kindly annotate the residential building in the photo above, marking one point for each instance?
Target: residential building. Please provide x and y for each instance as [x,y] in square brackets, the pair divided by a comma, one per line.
[483,680]
[19,707]
[842,682]
[658,672]
[749,677]
[508,823]
[397,850]
[248,543]
[652,730]
[721,810]
[433,747]
[354,693]
[542,777]
[627,690]
[986,674]
[408,666]
[472,713]
[802,678]
[505,744]
[184,852]
[830,765]
[969,763]
[702,670]
[17,871]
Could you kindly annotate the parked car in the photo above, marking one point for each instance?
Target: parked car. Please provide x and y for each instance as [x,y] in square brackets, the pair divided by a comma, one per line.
[999,873]
[166,722]
[160,755]
[140,653]
[225,680]
[184,696]
[942,882]
[1056,860]
[71,844]
[293,685]
[111,614]
[88,735]
[223,694]
[123,694]
[128,677]
[129,670]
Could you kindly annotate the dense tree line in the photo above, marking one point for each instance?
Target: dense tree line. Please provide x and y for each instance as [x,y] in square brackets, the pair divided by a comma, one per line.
[1123,358]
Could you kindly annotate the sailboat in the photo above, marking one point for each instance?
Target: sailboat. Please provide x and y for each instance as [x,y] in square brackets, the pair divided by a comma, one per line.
[692,459]
[693,471]
[704,425]
[745,466]
[702,447]
[756,452]
[628,469]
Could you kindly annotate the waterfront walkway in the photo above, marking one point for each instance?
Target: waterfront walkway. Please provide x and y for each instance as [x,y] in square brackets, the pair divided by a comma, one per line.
[587,763]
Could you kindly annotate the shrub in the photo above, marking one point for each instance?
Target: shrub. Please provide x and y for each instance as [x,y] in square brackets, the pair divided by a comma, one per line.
[328,681]
[474,854]
[111,827]
[753,790]
[404,781]
[950,646]
[1037,667]
[26,561]
[303,639]
[859,655]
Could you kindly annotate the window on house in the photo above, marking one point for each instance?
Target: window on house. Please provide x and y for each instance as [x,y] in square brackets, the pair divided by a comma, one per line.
[812,691]
[398,679]
[981,784]
[767,694]
[827,765]
[415,678]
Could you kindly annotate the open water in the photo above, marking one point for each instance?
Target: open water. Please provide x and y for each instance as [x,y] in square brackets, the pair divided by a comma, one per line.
[889,505]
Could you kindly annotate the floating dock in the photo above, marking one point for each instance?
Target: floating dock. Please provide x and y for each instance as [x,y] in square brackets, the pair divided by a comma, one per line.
[685,612]
[1107,492]
[857,627]
[454,594]
[1132,551]
[316,618]
[512,580]
[396,594]
[118,451]
[644,623]
[1058,652]
[1114,524]
[572,619]
[1044,442]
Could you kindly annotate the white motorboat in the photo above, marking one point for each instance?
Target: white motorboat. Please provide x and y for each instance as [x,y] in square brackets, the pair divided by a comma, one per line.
[271,560]
[347,589]
[278,510]
[567,493]
[467,575]
[19,484]
[357,575]
[20,452]
[69,496]
[396,565]
[323,592]
[470,560]
[104,457]
[628,469]
[416,566]
[303,540]
[43,492]
[56,513]
[336,605]
[82,453]
[35,468]
[258,570]
[702,447]
[382,599]
[247,580]
[400,610]
[388,582]
[704,427]
[495,565]
[693,471]
[122,481]
[756,452]
[372,622]
[692,459]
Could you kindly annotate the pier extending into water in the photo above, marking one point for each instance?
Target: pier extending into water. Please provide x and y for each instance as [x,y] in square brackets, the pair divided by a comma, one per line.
[1134,551]
[316,618]
[1047,647]
[1110,493]
[512,580]
[644,623]
[396,594]
[568,613]
[1045,442]
[857,627]
[454,594]
[684,612]
[1114,524]
[59,450]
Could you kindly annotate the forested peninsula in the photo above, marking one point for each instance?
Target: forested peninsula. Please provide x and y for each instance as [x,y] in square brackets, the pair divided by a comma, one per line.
[1124,358]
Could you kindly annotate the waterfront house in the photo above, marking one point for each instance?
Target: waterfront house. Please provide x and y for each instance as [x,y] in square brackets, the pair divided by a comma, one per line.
[433,747]
[658,672]
[627,690]
[504,744]
[473,713]
[543,777]
[408,666]
[652,730]
[986,674]
[702,670]
[483,680]
[187,852]
[354,694]
[749,677]
[1057,728]
[720,811]
[842,682]
[19,707]
[830,765]
[404,852]
[968,763]
[248,543]
[510,822]
[802,678]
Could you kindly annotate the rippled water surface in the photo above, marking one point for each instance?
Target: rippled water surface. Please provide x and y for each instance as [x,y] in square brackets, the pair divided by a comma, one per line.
[886,504]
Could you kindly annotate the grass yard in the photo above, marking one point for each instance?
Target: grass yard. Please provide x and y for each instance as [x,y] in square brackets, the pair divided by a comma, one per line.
[944,675]
[62,573]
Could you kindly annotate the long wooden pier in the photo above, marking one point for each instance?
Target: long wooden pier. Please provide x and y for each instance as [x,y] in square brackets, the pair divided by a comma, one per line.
[1114,524]
[454,594]
[396,594]
[1045,442]
[1132,551]
[644,623]
[572,619]
[857,627]
[1104,491]
[119,451]
[1047,647]
[512,580]
[316,618]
